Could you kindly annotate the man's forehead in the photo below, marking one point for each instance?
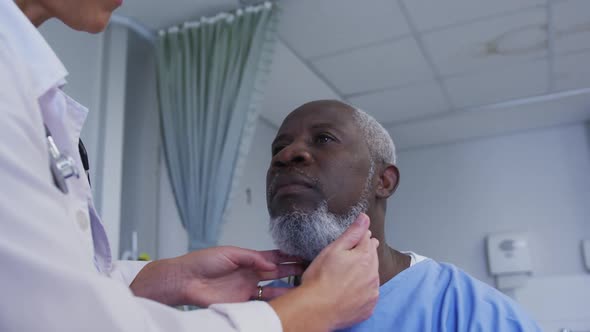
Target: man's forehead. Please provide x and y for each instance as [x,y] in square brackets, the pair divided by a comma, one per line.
[320,114]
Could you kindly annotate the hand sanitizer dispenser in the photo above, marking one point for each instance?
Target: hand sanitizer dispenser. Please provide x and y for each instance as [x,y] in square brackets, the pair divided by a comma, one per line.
[509,259]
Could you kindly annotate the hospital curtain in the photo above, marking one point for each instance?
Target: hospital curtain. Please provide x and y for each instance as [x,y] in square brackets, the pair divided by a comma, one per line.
[211,77]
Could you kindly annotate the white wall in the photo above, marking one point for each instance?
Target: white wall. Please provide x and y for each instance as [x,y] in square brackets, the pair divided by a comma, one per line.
[247,221]
[109,158]
[558,302]
[140,199]
[451,196]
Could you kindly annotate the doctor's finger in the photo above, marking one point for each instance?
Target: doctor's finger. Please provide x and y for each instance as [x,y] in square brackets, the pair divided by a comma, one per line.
[251,259]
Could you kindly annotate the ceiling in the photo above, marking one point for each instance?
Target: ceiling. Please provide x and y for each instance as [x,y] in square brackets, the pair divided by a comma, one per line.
[430,71]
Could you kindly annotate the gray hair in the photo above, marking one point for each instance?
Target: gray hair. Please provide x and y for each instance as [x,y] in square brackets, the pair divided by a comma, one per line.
[378,140]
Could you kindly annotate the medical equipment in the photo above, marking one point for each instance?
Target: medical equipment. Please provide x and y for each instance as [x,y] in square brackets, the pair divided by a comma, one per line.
[63,166]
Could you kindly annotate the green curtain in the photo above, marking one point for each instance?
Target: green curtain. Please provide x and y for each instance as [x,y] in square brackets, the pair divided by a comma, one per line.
[211,78]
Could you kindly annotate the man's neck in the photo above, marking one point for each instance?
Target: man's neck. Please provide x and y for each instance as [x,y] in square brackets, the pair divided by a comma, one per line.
[391,262]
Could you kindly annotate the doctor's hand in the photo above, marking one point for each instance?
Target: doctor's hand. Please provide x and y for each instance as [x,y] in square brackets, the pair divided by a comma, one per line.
[340,287]
[213,275]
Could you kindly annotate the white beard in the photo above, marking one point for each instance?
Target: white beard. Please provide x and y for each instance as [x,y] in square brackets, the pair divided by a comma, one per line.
[305,234]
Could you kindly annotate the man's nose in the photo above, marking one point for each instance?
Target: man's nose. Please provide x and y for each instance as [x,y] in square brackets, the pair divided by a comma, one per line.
[292,155]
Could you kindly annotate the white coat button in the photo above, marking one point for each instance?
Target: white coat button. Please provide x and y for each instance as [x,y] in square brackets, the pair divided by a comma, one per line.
[82,220]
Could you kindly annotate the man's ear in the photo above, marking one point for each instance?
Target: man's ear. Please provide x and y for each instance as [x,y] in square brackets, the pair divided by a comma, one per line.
[388,181]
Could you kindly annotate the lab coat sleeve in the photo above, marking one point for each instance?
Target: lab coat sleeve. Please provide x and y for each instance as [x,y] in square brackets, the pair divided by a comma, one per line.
[46,283]
[125,271]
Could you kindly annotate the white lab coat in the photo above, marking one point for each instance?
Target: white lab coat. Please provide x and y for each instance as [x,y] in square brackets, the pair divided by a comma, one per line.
[56,273]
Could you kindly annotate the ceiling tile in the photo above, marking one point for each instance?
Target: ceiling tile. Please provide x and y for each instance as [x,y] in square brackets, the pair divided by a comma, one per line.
[428,14]
[572,71]
[290,85]
[487,87]
[467,125]
[157,14]
[571,21]
[387,65]
[402,104]
[491,43]
[319,27]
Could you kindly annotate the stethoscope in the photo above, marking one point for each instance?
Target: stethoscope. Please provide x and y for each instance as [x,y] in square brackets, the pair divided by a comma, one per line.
[64,167]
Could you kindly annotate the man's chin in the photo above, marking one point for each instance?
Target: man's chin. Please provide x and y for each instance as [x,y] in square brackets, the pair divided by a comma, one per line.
[290,208]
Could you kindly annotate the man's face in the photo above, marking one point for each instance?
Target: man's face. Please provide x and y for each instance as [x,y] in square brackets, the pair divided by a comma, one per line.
[85,15]
[318,178]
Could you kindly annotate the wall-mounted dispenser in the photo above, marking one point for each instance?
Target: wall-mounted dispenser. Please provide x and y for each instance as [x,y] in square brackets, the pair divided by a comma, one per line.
[509,259]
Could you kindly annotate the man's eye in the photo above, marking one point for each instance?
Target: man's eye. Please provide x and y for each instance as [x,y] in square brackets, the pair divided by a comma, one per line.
[323,138]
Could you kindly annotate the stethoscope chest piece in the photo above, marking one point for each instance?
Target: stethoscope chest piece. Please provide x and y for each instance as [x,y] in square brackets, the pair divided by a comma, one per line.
[62,166]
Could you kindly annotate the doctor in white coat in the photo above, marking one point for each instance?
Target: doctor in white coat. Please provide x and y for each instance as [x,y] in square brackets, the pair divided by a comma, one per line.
[56,272]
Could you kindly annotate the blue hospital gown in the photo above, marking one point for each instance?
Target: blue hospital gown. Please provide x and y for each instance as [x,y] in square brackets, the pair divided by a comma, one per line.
[432,296]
